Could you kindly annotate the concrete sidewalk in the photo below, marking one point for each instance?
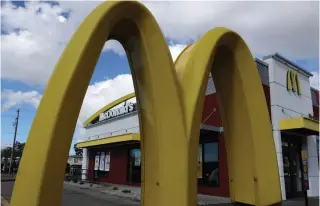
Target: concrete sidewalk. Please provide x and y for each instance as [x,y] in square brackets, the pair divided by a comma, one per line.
[134,192]
[4,202]
[7,177]
[75,194]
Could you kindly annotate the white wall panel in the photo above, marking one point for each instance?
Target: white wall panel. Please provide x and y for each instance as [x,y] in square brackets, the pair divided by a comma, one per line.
[313,187]
[280,76]
[119,126]
[279,113]
[286,104]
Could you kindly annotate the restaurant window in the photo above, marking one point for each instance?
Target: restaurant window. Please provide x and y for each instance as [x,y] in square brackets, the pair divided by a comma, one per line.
[208,164]
[134,173]
[101,165]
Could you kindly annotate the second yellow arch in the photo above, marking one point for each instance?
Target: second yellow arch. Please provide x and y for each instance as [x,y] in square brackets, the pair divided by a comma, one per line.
[251,156]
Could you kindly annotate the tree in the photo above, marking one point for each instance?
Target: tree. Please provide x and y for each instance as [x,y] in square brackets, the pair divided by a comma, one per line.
[5,153]
[19,149]
[78,151]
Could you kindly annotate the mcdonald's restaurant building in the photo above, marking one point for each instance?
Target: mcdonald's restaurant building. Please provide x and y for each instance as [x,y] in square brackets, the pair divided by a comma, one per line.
[111,148]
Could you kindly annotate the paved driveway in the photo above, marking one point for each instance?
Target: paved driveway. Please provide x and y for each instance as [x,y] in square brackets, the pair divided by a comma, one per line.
[75,196]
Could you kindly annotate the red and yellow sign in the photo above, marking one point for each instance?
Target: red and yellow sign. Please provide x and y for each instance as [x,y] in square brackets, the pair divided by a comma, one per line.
[304,158]
[293,83]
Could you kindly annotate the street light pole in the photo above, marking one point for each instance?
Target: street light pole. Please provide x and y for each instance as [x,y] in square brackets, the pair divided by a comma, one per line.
[14,140]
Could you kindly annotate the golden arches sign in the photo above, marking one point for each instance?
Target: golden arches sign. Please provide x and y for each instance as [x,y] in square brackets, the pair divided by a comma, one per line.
[169,113]
[293,83]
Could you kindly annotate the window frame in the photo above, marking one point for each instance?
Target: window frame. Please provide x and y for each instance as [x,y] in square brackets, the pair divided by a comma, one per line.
[131,169]
[207,139]
[97,174]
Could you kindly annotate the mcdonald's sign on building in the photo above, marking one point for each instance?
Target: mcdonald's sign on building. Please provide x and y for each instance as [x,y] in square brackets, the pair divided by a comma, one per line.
[293,83]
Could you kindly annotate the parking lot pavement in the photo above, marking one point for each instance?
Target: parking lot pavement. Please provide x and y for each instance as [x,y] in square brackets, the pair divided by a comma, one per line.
[74,196]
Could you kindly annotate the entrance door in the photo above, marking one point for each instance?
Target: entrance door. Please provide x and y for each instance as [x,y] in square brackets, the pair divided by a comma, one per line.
[291,151]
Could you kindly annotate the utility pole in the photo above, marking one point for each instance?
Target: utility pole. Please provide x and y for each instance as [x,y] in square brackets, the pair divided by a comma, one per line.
[15,124]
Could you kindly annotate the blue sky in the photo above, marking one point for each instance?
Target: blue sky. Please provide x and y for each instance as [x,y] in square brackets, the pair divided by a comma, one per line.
[33,39]
[116,65]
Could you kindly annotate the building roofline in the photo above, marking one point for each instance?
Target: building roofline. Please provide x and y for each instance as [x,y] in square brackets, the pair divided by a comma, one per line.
[314,89]
[284,60]
[261,62]
[108,106]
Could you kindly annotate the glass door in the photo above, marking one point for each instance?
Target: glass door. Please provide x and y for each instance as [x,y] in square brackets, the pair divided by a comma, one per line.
[291,151]
[134,172]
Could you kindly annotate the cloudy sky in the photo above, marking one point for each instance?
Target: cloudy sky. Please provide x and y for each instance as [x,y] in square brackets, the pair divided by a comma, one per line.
[34,34]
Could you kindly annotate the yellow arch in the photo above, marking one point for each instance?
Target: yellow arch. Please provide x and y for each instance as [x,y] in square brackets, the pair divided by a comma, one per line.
[180,98]
[251,156]
[109,106]
[40,178]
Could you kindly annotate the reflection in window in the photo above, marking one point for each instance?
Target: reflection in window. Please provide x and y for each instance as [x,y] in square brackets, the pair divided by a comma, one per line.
[211,152]
[210,165]
[134,173]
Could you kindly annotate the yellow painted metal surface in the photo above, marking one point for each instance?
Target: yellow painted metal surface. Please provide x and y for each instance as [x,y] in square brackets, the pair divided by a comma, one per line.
[170,104]
[293,83]
[251,156]
[108,106]
[41,173]
[109,140]
[300,123]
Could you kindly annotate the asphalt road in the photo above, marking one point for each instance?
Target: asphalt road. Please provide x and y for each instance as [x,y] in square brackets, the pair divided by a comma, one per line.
[75,196]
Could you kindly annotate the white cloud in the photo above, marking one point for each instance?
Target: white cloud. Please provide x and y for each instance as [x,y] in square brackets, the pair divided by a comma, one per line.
[314,80]
[176,49]
[291,28]
[98,95]
[15,98]
[115,46]
[37,34]
[101,93]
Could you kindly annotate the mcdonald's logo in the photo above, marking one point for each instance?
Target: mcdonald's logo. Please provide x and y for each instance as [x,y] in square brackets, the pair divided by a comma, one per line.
[293,83]
[170,96]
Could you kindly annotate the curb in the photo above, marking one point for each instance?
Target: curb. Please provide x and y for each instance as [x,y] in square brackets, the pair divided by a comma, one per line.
[4,201]
[8,180]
